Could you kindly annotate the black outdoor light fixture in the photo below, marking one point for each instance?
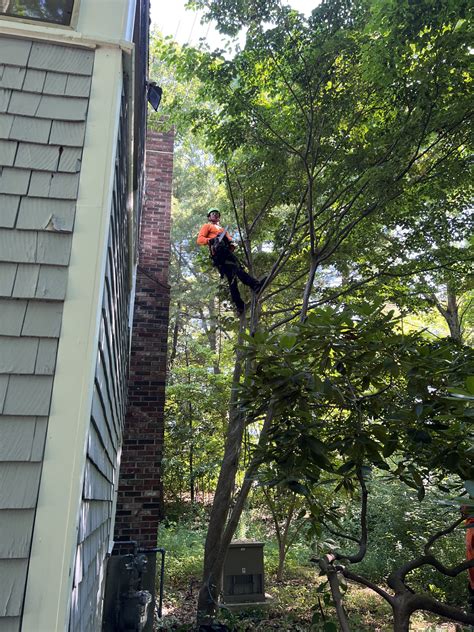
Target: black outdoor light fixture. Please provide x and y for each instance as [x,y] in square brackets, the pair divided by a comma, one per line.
[154,94]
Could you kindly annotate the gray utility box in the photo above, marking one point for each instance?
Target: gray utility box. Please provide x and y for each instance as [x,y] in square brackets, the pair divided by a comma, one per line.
[244,573]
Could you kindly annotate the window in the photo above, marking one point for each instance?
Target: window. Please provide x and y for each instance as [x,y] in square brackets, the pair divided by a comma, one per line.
[56,11]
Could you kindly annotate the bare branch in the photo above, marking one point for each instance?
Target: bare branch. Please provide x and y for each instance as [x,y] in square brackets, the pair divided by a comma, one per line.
[359,556]
[339,534]
[440,534]
[365,582]
[234,206]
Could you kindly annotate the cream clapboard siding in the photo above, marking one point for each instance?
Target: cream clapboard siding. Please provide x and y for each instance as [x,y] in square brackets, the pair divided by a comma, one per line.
[44,92]
[108,409]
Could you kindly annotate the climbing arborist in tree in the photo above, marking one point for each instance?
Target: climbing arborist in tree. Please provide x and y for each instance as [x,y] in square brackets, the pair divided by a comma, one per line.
[221,247]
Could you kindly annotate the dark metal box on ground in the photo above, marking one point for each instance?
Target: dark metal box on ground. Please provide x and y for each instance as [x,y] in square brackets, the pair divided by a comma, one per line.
[244,573]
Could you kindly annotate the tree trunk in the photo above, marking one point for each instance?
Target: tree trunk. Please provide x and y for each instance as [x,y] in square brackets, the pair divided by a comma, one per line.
[211,333]
[308,289]
[452,316]
[191,460]
[174,342]
[401,618]
[450,313]
[281,561]
[213,562]
[220,536]
[177,322]
[325,564]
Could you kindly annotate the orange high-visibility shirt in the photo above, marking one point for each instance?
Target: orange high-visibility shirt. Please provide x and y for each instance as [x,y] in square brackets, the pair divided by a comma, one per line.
[470,548]
[209,231]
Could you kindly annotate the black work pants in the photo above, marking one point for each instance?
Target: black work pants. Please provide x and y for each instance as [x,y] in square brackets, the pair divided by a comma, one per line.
[229,266]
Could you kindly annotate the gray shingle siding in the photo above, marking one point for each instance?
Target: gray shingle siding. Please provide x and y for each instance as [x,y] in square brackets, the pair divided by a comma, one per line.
[26,281]
[63,108]
[12,77]
[8,150]
[6,122]
[78,86]
[5,96]
[29,128]
[35,156]
[52,283]
[12,581]
[12,314]
[22,441]
[16,536]
[8,210]
[42,319]
[24,103]
[18,246]
[34,80]
[7,278]
[53,185]
[44,92]
[53,248]
[70,60]
[28,395]
[67,133]
[14,181]
[19,485]
[44,214]
[55,83]
[14,51]
[18,355]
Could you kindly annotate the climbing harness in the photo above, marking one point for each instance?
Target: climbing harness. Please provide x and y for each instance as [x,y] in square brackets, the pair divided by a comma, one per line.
[218,243]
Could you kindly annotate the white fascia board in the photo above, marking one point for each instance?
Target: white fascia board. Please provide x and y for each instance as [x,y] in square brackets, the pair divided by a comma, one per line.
[103,23]
[49,582]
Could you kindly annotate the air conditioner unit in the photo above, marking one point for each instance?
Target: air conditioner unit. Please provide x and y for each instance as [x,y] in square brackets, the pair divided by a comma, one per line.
[244,573]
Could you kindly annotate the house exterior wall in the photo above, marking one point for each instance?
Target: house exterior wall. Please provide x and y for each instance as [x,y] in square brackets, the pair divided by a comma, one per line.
[66,223]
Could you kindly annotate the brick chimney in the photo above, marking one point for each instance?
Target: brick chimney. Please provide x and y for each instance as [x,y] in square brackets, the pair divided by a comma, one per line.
[140,493]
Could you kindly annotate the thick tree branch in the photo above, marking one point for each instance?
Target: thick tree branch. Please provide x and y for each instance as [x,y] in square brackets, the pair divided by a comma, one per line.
[327,567]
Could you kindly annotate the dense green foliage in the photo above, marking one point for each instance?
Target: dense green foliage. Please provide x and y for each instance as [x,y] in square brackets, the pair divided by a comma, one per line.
[339,145]
[349,390]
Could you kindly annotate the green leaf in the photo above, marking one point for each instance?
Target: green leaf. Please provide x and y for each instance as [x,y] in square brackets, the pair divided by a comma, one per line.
[316,618]
[347,467]
[298,488]
[318,383]
[379,432]
[329,626]
[288,340]
[421,436]
[390,446]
